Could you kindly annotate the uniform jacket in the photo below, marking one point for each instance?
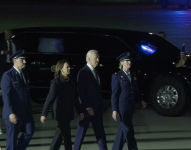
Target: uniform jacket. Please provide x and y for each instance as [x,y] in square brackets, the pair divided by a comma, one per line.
[16,95]
[63,96]
[89,91]
[124,92]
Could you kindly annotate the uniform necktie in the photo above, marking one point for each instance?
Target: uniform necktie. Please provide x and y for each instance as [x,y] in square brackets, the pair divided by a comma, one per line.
[22,77]
[129,76]
[10,48]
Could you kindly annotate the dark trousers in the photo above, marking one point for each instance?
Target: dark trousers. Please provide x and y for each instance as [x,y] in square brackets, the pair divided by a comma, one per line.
[125,133]
[57,140]
[27,127]
[62,133]
[97,123]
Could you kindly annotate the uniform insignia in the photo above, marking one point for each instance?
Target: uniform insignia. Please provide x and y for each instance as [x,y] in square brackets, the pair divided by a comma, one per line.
[16,82]
[121,77]
[135,78]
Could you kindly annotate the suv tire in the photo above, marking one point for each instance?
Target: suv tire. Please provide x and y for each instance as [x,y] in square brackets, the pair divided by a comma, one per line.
[177,96]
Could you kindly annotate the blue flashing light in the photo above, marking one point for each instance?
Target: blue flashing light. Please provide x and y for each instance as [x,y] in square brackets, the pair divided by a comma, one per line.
[148,49]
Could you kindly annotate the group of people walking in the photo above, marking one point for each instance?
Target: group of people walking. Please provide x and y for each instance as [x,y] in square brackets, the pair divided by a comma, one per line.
[63,96]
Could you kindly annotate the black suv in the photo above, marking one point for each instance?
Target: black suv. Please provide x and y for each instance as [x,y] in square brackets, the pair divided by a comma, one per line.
[181,3]
[165,86]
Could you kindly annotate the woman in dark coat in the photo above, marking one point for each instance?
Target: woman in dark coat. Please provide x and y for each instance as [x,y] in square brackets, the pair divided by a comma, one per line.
[63,96]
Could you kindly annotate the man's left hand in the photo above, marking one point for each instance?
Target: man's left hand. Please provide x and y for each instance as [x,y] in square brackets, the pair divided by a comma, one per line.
[42,119]
[143,104]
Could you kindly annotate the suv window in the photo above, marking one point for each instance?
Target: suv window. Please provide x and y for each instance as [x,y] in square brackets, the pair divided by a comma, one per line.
[72,43]
[108,46]
[48,42]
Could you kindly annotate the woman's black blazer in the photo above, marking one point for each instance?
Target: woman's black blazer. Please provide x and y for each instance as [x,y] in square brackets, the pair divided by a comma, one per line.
[64,98]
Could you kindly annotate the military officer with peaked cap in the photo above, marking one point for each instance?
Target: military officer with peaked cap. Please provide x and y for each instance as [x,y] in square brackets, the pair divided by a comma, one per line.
[124,94]
[17,112]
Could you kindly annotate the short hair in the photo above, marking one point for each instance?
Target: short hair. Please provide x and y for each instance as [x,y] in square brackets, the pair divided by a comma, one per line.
[89,53]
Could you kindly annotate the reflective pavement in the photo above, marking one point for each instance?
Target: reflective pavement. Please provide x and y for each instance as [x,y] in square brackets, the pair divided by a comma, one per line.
[153,132]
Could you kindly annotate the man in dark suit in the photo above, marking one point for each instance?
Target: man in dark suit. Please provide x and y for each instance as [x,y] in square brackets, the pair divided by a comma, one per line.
[8,46]
[17,111]
[124,94]
[92,103]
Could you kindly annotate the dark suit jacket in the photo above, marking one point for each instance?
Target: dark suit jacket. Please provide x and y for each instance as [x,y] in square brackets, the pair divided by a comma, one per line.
[63,96]
[89,91]
[3,45]
[124,92]
[16,95]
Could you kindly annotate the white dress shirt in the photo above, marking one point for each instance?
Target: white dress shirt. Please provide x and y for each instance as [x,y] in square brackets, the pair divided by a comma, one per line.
[92,69]
[19,72]
[128,75]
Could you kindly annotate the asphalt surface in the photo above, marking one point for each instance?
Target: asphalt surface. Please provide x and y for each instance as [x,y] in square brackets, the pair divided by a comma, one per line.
[152,131]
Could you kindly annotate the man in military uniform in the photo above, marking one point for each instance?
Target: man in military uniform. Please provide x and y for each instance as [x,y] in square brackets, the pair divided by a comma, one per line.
[124,94]
[17,112]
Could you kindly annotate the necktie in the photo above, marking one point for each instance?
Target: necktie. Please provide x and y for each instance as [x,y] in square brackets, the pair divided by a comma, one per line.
[96,76]
[129,77]
[10,48]
[22,77]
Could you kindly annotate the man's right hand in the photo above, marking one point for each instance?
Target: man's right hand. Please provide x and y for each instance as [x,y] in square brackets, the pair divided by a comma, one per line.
[13,118]
[114,115]
[90,111]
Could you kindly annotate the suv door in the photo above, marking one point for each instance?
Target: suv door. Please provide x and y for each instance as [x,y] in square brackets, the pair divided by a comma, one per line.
[44,49]
[73,47]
